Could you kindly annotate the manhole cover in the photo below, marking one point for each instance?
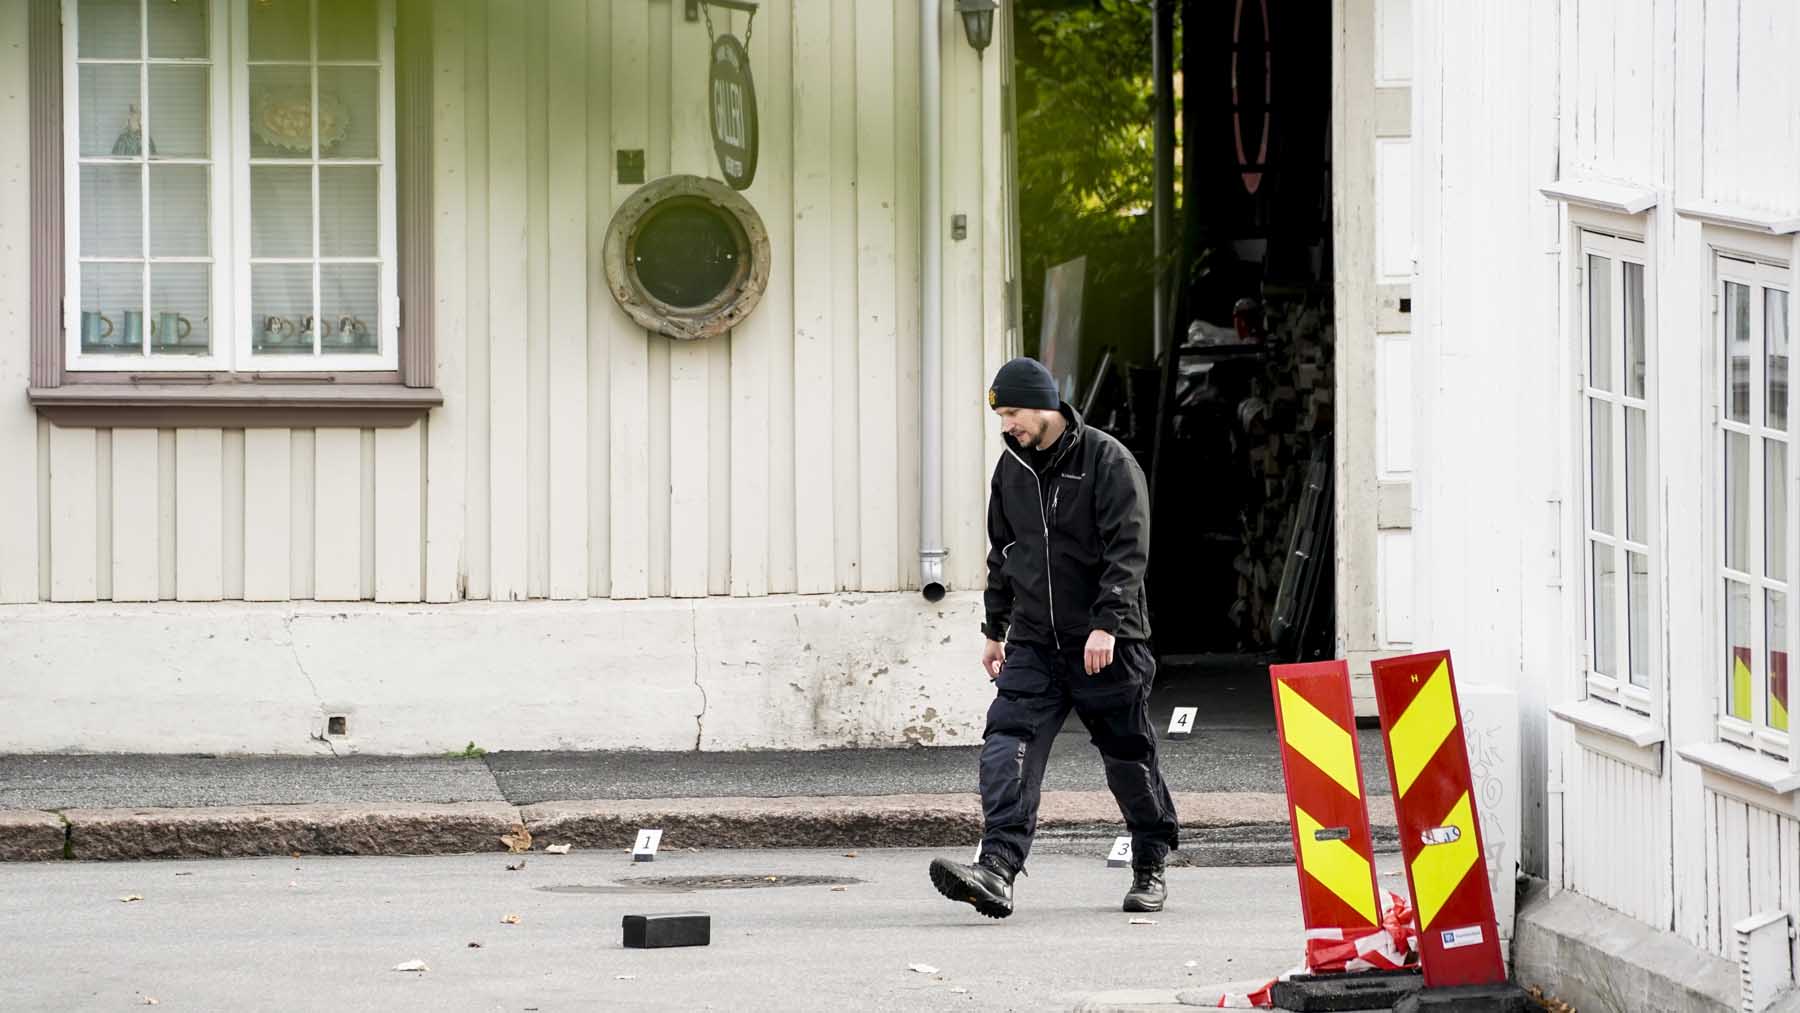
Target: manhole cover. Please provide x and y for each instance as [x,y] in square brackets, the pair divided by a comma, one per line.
[686,884]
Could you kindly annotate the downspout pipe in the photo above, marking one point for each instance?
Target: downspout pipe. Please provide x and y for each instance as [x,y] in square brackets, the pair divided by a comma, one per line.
[931,304]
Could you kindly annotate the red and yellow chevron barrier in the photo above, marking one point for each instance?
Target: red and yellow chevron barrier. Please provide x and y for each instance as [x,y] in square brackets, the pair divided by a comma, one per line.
[1440,835]
[1332,851]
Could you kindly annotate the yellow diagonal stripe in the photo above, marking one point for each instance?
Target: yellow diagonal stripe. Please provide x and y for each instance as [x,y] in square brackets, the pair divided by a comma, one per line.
[1740,688]
[1318,738]
[1428,720]
[1440,867]
[1336,866]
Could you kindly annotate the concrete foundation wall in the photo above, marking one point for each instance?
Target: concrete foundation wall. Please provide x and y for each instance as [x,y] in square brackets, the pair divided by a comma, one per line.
[791,672]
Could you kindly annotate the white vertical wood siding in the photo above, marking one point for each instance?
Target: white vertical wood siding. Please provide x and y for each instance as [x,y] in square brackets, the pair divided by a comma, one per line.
[575,455]
[1695,101]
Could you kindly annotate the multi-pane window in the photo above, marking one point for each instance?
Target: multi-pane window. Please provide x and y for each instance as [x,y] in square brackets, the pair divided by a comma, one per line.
[1616,419]
[144,185]
[232,192]
[1753,341]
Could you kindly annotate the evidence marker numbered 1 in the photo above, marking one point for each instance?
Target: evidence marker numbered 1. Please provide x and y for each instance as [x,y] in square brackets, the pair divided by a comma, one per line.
[1181,723]
[1120,855]
[645,848]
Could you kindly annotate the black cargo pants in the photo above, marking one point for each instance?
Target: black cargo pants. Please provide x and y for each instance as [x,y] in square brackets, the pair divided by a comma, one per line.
[1037,688]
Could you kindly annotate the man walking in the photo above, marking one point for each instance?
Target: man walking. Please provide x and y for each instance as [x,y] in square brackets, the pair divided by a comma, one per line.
[1067,627]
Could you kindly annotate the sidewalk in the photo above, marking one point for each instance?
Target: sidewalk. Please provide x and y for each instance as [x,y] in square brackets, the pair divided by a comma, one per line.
[1227,784]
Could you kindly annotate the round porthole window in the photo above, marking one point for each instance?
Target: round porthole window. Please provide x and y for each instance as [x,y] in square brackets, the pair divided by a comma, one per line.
[687,257]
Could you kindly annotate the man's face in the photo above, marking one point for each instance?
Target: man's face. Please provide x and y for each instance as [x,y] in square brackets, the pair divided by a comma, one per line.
[1026,426]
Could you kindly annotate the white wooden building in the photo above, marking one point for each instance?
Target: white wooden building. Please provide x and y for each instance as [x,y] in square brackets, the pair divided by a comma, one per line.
[484,503]
[1606,196]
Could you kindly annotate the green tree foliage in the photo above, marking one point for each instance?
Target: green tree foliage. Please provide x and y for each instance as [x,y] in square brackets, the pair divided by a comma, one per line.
[1086,166]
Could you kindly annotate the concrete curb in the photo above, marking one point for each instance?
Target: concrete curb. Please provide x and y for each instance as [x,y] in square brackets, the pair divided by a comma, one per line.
[465,827]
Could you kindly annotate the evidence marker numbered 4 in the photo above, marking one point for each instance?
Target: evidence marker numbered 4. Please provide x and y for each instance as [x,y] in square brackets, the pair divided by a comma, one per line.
[1181,723]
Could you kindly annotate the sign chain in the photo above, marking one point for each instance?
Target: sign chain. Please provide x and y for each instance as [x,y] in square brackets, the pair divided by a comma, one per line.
[706,12]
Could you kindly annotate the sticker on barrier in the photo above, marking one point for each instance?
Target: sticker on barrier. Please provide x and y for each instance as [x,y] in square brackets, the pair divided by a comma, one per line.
[1440,834]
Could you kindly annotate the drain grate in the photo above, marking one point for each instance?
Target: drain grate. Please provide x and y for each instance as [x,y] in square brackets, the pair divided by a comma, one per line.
[688,884]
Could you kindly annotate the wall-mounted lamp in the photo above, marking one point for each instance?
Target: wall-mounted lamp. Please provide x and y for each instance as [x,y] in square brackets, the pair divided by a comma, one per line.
[978,22]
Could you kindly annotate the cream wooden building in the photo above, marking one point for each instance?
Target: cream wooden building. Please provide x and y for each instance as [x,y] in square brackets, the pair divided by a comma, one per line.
[485,503]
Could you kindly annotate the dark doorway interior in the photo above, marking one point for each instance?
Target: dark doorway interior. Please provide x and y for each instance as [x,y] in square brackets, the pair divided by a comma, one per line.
[1235,427]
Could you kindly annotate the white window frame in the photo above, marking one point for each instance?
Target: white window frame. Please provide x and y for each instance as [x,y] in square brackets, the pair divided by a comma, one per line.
[387,356]
[232,346]
[1618,249]
[219,129]
[1760,272]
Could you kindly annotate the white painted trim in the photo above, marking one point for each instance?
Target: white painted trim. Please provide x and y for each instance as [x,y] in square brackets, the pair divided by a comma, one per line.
[1612,720]
[1619,198]
[1746,766]
[1734,216]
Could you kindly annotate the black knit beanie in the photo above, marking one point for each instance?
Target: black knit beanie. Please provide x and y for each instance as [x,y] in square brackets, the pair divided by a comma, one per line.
[1024,383]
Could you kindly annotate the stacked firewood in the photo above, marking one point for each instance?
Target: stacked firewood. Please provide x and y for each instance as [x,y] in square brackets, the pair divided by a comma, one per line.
[1289,407]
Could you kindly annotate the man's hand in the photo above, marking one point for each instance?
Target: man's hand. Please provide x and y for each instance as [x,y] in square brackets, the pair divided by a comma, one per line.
[1099,652]
[993,655]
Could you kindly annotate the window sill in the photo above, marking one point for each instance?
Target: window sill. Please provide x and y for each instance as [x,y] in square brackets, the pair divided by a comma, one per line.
[1618,198]
[1736,217]
[234,405]
[1614,731]
[1744,774]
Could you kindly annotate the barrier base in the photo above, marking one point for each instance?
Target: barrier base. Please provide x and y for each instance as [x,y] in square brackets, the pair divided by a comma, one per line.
[1354,990]
[1502,998]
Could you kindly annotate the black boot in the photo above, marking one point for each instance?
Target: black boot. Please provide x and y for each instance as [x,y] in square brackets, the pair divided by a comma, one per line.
[1147,888]
[987,884]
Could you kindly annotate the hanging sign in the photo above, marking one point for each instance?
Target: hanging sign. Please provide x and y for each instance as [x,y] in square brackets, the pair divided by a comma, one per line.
[733,111]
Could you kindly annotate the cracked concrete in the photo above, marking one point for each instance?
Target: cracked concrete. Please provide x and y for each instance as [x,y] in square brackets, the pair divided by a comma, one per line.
[700,718]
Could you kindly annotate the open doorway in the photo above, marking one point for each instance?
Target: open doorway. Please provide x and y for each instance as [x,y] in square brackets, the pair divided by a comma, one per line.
[1229,408]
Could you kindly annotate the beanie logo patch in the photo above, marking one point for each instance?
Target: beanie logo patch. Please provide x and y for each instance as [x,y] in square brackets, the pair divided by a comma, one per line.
[993,398]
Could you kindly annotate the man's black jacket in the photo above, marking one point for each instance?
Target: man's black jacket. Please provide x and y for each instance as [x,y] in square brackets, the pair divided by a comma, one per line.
[1068,546]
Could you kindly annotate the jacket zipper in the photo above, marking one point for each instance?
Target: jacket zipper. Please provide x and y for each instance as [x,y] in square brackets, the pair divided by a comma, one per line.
[1043,515]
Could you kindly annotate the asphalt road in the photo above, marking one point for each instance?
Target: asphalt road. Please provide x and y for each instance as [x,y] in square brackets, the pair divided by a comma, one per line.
[326,933]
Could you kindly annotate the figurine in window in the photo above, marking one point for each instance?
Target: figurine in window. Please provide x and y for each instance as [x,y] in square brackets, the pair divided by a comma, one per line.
[131,139]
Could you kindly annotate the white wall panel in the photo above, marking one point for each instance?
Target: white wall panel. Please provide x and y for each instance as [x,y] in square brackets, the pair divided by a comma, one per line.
[1394,554]
[1394,405]
[1393,209]
[1393,42]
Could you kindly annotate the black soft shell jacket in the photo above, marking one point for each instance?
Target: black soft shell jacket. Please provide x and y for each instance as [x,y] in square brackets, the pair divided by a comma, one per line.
[1068,546]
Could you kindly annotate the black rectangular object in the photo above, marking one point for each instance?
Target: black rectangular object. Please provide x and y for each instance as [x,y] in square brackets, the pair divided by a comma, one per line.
[679,928]
[1355,990]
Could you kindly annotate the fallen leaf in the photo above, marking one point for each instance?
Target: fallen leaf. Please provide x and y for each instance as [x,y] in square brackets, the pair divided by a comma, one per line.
[412,965]
[557,849]
[1143,921]
[837,889]
[519,840]
[128,898]
[510,920]
[474,945]
[849,854]
[293,854]
[515,866]
[922,968]
[772,879]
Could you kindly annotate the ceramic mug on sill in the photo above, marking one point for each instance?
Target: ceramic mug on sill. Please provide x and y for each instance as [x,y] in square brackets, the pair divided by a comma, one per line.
[96,328]
[277,330]
[134,328]
[170,328]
